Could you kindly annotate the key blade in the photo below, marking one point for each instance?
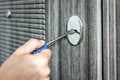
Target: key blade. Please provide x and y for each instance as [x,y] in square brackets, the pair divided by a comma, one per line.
[56,39]
[67,33]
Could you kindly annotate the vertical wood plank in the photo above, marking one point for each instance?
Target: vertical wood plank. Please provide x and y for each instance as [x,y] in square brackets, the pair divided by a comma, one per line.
[74,59]
[106,35]
[53,30]
[118,37]
[109,40]
[95,39]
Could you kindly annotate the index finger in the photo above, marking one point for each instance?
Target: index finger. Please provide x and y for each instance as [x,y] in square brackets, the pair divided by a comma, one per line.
[29,46]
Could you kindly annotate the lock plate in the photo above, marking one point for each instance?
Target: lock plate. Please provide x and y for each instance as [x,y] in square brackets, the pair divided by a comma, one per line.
[75,23]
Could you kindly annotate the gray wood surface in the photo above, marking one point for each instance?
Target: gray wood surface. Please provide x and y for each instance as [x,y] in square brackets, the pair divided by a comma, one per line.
[53,27]
[84,61]
[95,39]
[27,21]
[118,37]
[74,59]
[21,2]
[109,40]
[99,50]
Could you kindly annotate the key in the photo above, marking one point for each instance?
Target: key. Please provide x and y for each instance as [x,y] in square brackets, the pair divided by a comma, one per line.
[45,46]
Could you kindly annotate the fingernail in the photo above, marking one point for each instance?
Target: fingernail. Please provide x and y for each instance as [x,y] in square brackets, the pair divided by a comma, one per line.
[43,41]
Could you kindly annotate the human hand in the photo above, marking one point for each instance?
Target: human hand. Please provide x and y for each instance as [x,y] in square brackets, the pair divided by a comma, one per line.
[22,65]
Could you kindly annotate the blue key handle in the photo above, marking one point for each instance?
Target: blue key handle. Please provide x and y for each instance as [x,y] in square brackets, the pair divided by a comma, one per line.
[40,49]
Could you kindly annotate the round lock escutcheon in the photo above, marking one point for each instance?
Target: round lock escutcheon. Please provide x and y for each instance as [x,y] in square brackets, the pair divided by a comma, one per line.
[75,23]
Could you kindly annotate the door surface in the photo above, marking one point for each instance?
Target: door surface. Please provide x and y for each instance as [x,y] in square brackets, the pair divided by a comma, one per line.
[95,58]
[84,61]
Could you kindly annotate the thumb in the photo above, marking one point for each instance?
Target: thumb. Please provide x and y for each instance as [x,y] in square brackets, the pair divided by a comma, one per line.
[29,46]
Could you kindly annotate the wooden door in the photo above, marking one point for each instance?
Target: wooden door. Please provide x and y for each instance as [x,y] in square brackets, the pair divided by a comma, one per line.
[84,61]
[95,58]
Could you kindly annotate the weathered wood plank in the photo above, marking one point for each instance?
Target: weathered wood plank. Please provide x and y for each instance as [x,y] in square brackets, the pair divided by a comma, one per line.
[21,2]
[106,38]
[20,34]
[109,40]
[24,29]
[9,48]
[25,16]
[19,20]
[53,31]
[95,39]
[74,59]
[28,6]
[12,40]
[118,37]
[24,11]
[23,25]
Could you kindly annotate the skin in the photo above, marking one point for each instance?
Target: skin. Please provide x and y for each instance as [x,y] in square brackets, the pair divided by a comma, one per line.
[22,65]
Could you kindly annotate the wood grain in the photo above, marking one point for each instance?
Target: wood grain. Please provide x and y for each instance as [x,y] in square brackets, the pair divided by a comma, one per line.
[48,21]
[75,62]
[74,59]
[109,40]
[118,38]
[27,21]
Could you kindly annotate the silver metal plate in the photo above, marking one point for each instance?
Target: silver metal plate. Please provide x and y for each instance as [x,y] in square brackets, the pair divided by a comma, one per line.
[75,23]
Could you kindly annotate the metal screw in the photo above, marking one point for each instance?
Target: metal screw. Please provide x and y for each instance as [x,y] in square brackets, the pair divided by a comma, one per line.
[8,13]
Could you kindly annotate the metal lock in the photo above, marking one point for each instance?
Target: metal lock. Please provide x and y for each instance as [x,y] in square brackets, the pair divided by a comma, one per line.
[75,23]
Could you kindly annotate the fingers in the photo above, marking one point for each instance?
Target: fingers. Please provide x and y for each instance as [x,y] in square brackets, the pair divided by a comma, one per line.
[29,46]
[47,78]
[44,73]
[44,69]
[44,56]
